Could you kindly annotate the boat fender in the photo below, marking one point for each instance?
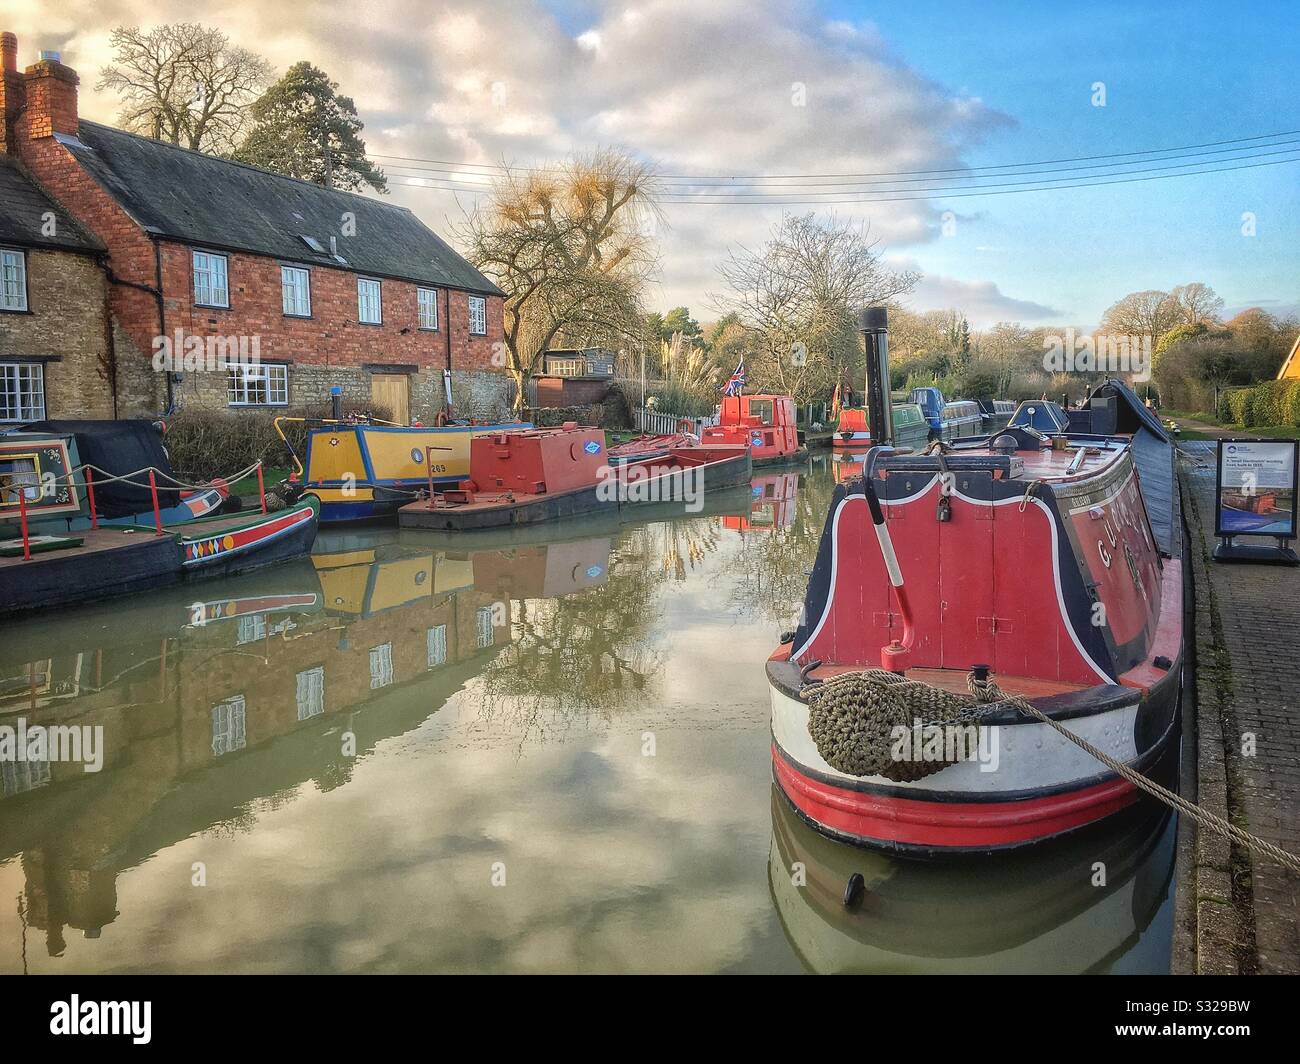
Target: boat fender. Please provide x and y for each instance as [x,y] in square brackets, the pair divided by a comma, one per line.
[785,637]
[854,889]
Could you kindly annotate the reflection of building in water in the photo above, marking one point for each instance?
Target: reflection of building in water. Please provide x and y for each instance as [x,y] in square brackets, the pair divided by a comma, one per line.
[773,504]
[1073,905]
[191,696]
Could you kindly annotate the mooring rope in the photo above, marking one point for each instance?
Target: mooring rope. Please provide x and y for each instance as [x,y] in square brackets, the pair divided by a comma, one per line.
[174,483]
[852,715]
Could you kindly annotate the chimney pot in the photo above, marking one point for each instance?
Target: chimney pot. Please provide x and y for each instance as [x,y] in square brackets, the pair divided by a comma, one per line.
[49,56]
[9,49]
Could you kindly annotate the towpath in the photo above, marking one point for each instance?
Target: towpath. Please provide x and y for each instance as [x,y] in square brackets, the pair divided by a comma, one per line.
[1238,912]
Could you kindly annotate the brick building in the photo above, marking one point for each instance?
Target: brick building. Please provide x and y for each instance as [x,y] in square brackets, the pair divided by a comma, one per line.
[211,262]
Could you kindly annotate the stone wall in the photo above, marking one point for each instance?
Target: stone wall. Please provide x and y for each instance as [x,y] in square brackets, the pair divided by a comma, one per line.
[64,328]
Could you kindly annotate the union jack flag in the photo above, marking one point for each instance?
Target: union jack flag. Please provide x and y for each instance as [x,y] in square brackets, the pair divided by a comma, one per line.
[736,383]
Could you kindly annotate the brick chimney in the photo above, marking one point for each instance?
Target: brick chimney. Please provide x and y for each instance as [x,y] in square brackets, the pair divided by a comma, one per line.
[11,92]
[51,97]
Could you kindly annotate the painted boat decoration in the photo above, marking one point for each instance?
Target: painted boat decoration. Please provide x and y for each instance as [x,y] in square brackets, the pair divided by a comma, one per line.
[766,424]
[853,430]
[1052,562]
[363,471]
[46,458]
[115,560]
[520,478]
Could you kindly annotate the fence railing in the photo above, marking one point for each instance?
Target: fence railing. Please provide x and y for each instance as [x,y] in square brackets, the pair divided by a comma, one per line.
[658,423]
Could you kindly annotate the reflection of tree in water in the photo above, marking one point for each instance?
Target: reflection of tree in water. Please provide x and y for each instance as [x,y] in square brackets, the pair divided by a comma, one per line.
[769,573]
[590,652]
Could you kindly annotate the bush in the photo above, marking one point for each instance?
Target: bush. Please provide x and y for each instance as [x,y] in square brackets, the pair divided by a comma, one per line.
[203,443]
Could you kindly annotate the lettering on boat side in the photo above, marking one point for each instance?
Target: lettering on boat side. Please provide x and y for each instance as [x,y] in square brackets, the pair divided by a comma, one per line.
[58,743]
[133,1018]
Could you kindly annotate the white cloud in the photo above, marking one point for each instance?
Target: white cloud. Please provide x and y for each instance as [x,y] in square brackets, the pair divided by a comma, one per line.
[725,87]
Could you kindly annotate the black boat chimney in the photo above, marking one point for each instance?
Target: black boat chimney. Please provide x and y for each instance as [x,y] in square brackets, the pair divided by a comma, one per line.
[873,323]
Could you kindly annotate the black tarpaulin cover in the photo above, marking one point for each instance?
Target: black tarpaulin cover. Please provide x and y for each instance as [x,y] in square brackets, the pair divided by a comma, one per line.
[119,447]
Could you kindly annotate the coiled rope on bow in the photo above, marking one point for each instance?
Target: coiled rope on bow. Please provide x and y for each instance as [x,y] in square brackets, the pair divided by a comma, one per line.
[852,720]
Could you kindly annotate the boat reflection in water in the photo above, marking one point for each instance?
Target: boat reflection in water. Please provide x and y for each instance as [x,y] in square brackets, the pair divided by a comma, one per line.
[208,706]
[772,507]
[1044,910]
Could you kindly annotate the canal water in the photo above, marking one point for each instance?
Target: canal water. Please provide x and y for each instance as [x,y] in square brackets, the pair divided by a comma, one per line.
[520,753]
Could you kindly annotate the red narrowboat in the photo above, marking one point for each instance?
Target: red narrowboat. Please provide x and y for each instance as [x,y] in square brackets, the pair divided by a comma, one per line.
[1055,563]
[763,423]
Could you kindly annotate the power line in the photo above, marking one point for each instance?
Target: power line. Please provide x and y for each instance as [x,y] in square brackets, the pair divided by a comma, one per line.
[878,195]
[452,166]
[761,197]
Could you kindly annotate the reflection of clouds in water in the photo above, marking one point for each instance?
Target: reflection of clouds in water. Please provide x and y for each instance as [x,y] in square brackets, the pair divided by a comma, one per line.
[631,866]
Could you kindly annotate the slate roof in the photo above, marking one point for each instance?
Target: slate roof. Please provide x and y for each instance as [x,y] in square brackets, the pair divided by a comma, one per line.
[204,200]
[23,206]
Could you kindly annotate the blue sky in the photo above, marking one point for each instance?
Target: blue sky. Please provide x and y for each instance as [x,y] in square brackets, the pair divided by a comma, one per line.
[704,86]
[1175,74]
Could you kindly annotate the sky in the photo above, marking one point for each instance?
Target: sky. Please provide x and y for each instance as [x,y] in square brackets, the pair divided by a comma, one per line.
[760,87]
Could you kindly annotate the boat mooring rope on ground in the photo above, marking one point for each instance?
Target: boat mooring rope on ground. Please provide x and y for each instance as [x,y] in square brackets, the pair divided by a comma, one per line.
[851,718]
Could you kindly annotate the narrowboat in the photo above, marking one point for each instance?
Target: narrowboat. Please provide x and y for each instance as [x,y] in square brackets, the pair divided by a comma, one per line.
[947,420]
[995,413]
[361,470]
[1047,566]
[853,433]
[54,454]
[110,560]
[525,477]
[763,423]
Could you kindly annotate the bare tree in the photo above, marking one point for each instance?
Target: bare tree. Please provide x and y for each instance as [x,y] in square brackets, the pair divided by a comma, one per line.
[184,83]
[571,248]
[1197,303]
[1150,313]
[798,298]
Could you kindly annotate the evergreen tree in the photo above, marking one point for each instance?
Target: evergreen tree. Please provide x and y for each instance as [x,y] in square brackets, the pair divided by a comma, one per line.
[304,129]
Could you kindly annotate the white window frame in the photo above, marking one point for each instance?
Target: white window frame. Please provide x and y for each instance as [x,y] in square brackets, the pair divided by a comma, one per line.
[427,323]
[381,666]
[206,293]
[13,280]
[477,321]
[229,726]
[363,300]
[244,374]
[295,291]
[484,632]
[17,404]
[436,639]
[310,684]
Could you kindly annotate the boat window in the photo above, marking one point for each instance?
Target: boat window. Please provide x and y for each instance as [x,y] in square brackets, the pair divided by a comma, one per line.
[18,474]
[761,409]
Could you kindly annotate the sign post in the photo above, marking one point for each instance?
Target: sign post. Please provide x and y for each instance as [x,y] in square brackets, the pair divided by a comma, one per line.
[1255,495]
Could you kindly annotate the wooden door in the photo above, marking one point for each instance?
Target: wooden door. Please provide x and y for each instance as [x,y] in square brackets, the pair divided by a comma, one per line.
[393,392]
